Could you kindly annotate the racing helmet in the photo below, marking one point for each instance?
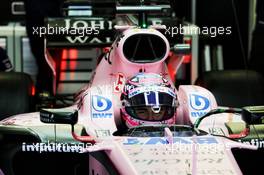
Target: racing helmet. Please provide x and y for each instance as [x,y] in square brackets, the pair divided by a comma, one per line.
[147,99]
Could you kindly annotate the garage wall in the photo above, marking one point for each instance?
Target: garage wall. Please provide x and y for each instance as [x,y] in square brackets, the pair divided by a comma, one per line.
[221,13]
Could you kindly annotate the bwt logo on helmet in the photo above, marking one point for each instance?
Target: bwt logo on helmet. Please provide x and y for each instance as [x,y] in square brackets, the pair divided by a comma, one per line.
[100,107]
[199,105]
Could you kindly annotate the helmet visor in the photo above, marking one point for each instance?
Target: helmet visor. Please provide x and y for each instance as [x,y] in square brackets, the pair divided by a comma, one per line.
[151,113]
[152,99]
[152,106]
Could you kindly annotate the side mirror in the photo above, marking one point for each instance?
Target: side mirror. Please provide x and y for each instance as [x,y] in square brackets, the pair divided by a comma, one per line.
[59,116]
[253,115]
[64,116]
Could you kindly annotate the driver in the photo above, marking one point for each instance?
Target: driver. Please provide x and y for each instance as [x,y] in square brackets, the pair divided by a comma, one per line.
[147,99]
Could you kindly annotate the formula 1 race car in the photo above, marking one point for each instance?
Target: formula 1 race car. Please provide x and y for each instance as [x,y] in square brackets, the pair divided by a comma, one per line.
[130,119]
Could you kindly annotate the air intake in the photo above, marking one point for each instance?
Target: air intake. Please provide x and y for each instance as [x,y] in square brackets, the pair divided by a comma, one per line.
[144,48]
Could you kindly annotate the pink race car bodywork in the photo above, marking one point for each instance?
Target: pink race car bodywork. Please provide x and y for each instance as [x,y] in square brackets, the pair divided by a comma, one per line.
[98,107]
[109,79]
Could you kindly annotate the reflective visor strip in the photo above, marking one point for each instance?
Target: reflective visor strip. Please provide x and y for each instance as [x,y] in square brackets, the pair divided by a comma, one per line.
[157,98]
[146,98]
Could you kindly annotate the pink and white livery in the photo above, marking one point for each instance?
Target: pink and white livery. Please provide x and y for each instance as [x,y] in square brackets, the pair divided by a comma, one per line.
[156,136]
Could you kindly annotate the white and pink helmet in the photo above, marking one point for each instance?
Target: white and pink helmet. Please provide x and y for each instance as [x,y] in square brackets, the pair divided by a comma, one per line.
[148,99]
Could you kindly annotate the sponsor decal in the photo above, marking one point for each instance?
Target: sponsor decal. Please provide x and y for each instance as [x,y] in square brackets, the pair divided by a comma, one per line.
[216,131]
[80,31]
[100,103]
[143,78]
[27,119]
[101,24]
[118,39]
[102,133]
[120,82]
[173,161]
[199,102]
[256,142]
[199,105]
[55,147]
[8,122]
[97,25]
[186,171]
[128,87]
[148,89]
[101,107]
[163,141]
[87,39]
